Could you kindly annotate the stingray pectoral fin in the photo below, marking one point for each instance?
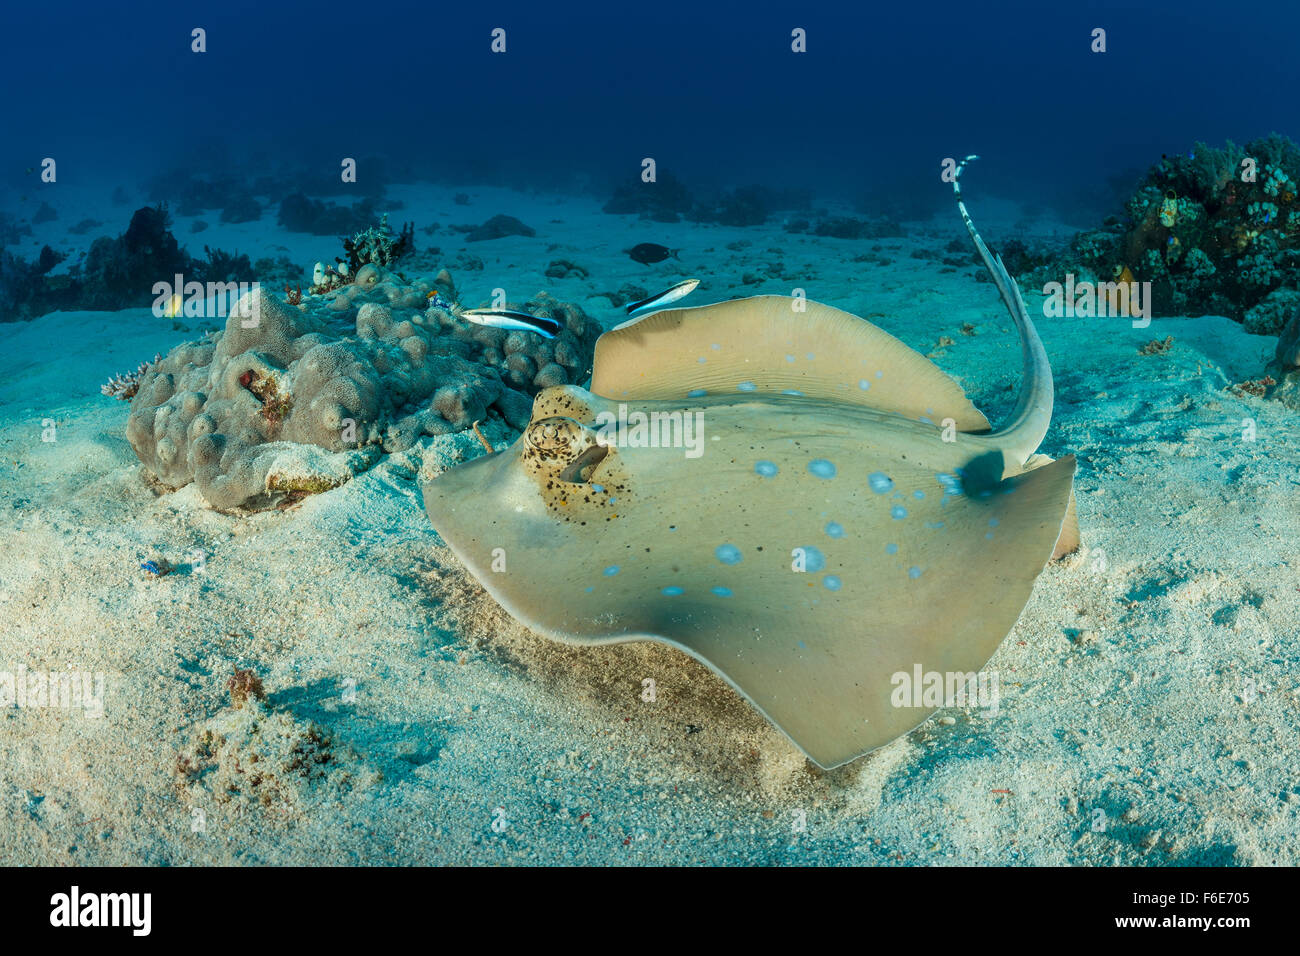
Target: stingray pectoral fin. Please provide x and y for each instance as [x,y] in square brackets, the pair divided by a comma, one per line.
[838,675]
[774,344]
[1070,539]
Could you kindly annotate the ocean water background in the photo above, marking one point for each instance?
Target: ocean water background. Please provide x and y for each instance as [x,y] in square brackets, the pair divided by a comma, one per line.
[586,90]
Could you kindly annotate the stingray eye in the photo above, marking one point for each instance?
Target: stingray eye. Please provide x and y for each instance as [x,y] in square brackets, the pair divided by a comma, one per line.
[551,435]
[565,449]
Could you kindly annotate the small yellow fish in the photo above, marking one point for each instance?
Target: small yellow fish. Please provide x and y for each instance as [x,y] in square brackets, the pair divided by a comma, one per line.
[1119,301]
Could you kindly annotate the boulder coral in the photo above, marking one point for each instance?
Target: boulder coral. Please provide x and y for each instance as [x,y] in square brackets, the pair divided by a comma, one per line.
[291,400]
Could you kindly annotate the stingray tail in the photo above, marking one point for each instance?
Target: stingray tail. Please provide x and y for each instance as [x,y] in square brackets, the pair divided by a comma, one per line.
[1021,435]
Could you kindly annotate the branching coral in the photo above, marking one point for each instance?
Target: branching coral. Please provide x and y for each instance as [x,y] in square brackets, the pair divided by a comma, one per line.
[221,266]
[377,245]
[123,387]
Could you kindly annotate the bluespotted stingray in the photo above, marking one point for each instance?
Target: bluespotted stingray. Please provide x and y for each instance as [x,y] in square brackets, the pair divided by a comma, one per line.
[764,484]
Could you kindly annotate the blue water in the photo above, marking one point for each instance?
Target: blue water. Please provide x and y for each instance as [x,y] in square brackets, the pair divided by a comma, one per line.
[586,90]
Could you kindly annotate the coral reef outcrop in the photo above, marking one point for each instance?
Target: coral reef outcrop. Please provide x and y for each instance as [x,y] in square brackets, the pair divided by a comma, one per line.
[290,400]
[298,213]
[1215,231]
[498,227]
[117,272]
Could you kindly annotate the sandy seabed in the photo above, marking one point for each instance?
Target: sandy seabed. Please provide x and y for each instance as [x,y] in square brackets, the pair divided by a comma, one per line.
[1150,697]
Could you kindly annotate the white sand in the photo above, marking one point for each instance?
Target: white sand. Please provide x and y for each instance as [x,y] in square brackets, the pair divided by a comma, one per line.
[1158,687]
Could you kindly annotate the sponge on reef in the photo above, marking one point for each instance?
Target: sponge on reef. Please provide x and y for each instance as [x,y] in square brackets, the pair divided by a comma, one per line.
[316,393]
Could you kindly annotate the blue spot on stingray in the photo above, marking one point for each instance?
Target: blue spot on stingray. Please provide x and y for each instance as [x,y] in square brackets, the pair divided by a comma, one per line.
[612,570]
[789,358]
[766,468]
[721,591]
[599,489]
[914,572]
[934,525]
[993,522]
[589,590]
[803,646]
[880,482]
[951,484]
[810,356]
[988,536]
[835,530]
[672,591]
[898,512]
[880,374]
[746,387]
[612,500]
[813,559]
[702,360]
[863,384]
[821,468]
[728,554]
[697,393]
[715,346]
[926,420]
[792,391]
[891,549]
[918,494]
[832,582]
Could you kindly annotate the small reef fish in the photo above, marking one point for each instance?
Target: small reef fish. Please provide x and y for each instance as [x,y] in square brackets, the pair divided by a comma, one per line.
[1121,293]
[661,299]
[438,301]
[514,321]
[648,253]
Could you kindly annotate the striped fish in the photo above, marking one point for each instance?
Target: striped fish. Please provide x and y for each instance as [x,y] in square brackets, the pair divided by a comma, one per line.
[661,299]
[514,321]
